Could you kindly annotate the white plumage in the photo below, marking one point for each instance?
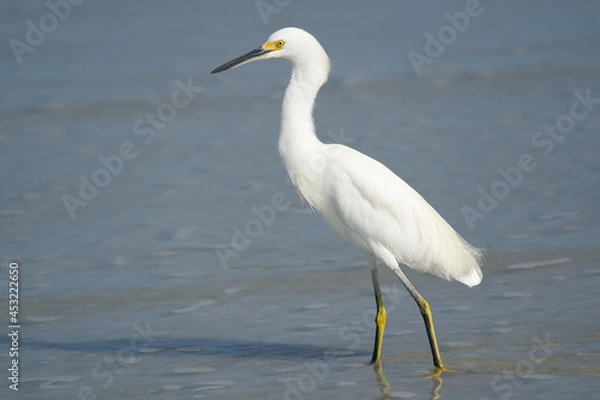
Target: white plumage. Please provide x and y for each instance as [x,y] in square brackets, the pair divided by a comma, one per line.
[360,198]
[379,213]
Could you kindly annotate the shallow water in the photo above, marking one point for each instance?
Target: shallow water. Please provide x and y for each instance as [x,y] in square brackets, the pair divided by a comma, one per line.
[130,298]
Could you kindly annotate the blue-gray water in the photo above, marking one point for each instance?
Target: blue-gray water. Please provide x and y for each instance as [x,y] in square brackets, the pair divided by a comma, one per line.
[139,293]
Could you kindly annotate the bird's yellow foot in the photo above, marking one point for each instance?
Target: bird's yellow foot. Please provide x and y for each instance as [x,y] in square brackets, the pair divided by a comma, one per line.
[437,373]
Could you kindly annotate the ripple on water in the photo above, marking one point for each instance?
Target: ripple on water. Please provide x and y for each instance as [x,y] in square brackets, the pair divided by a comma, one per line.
[193,307]
[395,332]
[193,370]
[462,308]
[213,385]
[222,382]
[354,365]
[516,295]
[190,349]
[172,388]
[287,369]
[54,382]
[557,215]
[289,379]
[539,377]
[131,360]
[339,353]
[535,264]
[458,344]
[150,350]
[592,271]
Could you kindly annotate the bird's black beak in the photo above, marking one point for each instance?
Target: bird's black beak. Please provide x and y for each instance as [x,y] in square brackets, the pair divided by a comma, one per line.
[241,59]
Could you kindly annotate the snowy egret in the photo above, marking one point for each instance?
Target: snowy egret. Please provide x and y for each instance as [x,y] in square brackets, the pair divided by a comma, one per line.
[360,198]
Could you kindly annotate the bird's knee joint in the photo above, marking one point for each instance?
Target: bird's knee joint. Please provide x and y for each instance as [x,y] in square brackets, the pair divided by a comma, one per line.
[381,316]
[424,306]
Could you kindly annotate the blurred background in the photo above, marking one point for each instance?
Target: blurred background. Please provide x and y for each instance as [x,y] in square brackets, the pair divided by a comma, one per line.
[163,253]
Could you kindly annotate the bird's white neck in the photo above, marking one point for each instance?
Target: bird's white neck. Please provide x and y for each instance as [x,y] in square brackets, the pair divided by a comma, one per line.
[298,142]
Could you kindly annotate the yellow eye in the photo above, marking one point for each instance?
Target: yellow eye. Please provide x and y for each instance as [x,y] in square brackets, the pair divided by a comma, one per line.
[279,44]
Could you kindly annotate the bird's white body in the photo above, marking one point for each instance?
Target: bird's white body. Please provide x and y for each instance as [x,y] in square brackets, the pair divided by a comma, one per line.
[376,211]
[360,198]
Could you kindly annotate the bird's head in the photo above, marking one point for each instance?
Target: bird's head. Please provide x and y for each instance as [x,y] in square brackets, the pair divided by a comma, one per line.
[294,44]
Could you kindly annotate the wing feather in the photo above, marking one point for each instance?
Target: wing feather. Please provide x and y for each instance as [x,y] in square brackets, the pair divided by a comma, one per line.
[371,206]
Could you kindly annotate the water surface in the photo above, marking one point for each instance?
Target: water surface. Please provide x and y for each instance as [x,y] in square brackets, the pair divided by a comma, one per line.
[129,298]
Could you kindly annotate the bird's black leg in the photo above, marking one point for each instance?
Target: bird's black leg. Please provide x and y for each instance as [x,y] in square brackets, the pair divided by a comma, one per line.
[427,318]
[380,318]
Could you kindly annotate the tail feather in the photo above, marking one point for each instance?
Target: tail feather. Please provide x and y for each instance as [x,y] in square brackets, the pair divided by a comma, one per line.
[473,276]
[471,279]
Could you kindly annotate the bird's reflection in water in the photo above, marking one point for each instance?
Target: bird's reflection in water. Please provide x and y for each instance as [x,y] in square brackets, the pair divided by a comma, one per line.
[385,387]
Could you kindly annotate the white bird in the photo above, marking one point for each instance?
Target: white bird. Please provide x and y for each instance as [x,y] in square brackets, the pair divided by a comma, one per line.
[360,198]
